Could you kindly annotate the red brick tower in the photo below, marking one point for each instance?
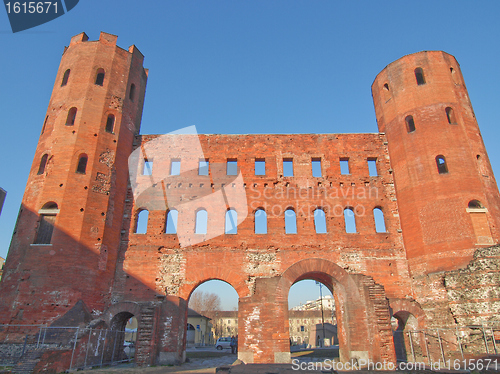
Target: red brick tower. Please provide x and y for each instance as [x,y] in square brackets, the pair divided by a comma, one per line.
[448,199]
[65,244]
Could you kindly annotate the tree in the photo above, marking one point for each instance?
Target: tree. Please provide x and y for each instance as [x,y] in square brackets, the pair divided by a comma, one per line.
[206,303]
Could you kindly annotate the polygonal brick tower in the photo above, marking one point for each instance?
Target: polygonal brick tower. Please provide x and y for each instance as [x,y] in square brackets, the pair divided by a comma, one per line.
[447,195]
[68,230]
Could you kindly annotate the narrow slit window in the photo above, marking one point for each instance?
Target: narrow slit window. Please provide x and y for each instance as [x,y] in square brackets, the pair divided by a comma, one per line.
[70,120]
[350,221]
[316,167]
[410,124]
[201,222]
[171,226]
[320,221]
[99,78]
[387,93]
[45,124]
[43,163]
[110,124]
[147,168]
[260,221]
[450,116]
[203,167]
[419,76]
[260,166]
[46,223]
[175,167]
[344,166]
[372,167]
[82,164]
[378,216]
[288,167]
[131,94]
[65,78]
[141,225]
[231,222]
[232,167]
[441,164]
[290,222]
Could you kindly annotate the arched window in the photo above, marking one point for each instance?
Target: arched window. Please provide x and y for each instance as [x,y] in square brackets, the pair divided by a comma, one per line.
[441,164]
[260,221]
[475,204]
[378,216]
[231,222]
[131,94]
[320,221]
[290,221]
[65,78]
[450,115]
[43,162]
[201,222]
[171,226]
[70,120]
[141,225]
[419,76]
[410,124]
[479,220]
[350,221]
[110,124]
[82,164]
[99,78]
[46,224]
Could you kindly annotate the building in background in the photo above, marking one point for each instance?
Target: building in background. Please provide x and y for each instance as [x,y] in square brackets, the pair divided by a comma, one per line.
[225,323]
[199,329]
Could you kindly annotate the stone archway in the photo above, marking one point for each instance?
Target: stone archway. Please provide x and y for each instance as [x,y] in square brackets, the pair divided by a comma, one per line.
[408,319]
[363,317]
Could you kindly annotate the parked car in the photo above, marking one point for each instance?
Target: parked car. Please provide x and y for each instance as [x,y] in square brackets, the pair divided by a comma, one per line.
[222,343]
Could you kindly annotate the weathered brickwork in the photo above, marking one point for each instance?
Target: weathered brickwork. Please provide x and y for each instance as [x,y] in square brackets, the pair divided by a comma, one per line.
[433,187]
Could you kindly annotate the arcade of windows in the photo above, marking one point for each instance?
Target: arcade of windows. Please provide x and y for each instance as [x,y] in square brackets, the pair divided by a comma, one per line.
[260,221]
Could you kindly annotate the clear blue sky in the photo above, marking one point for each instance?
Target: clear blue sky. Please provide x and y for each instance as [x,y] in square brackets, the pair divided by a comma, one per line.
[281,66]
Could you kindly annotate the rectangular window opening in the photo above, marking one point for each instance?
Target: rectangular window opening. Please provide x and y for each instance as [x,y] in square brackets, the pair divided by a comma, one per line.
[288,167]
[344,166]
[316,167]
[203,167]
[148,167]
[260,166]
[372,167]
[44,234]
[175,167]
[232,166]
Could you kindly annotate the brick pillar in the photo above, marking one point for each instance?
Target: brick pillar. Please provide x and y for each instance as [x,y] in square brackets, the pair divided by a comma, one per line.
[263,325]
[171,329]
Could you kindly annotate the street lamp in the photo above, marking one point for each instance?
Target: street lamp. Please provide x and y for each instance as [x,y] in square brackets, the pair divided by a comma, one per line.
[322,317]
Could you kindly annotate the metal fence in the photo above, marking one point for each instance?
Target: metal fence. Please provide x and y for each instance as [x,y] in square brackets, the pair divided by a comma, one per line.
[445,345]
[77,348]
